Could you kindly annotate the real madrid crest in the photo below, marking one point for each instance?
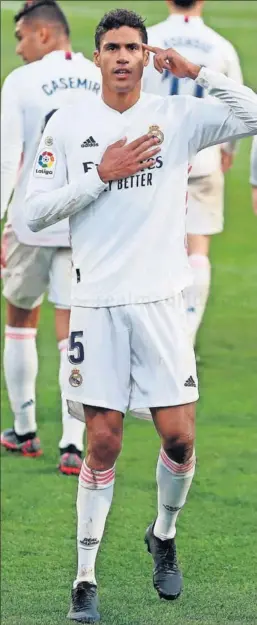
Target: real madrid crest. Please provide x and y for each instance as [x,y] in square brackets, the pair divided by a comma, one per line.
[49,141]
[155,131]
[75,378]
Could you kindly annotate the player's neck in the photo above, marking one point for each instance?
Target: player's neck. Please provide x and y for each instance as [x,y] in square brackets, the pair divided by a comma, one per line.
[121,102]
[193,12]
[61,44]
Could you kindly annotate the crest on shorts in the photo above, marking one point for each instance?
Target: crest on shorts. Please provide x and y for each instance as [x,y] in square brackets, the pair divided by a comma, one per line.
[155,131]
[75,378]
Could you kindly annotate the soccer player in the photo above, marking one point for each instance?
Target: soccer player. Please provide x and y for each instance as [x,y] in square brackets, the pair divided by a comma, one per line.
[253,178]
[129,343]
[54,75]
[186,31]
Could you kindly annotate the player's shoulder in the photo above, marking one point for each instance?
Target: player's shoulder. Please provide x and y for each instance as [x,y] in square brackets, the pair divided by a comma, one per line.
[18,75]
[86,103]
[166,104]
[157,32]
[221,42]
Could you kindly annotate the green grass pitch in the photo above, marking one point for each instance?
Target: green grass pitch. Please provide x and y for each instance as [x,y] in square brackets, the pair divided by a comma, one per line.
[217,530]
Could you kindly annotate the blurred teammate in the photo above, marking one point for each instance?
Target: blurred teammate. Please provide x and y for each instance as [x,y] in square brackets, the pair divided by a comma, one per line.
[129,343]
[37,262]
[253,177]
[186,31]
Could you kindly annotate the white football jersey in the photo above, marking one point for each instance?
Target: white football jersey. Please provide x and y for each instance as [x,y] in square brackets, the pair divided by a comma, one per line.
[253,175]
[203,46]
[128,236]
[30,96]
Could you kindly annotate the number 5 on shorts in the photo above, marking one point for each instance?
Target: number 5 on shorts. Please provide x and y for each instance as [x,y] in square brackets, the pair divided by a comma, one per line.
[74,344]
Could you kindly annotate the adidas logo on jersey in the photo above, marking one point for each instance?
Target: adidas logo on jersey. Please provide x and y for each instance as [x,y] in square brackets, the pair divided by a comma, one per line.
[190,382]
[89,143]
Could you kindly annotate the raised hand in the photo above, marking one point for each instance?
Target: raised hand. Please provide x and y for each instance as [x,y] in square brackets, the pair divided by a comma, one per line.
[173,61]
[122,159]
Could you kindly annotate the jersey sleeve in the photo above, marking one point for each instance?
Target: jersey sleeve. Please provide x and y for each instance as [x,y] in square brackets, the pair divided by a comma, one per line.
[50,196]
[233,115]
[11,139]
[233,71]
[253,172]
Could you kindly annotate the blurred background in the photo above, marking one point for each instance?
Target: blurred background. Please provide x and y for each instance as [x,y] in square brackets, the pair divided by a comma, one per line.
[217,531]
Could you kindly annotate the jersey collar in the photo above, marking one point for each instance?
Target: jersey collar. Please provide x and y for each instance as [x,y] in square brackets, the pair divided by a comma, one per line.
[181,18]
[129,111]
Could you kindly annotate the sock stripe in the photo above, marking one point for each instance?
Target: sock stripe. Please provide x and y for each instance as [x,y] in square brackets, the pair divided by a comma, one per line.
[98,478]
[19,337]
[174,466]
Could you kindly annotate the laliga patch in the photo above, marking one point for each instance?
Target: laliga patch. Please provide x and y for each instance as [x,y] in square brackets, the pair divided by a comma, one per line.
[45,165]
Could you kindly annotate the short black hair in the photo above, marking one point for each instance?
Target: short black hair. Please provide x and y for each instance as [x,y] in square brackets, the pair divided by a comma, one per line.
[184,4]
[47,10]
[116,19]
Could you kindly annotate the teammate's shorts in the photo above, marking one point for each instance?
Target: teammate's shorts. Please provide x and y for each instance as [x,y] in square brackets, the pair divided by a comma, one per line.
[133,356]
[30,271]
[206,204]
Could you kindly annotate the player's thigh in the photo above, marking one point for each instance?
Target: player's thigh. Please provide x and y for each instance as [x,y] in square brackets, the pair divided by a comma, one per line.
[198,244]
[163,360]
[98,363]
[60,278]
[26,273]
[205,213]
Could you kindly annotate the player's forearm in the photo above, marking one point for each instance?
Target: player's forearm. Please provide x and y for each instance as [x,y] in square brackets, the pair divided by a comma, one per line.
[241,101]
[11,158]
[44,209]
[253,174]
[254,199]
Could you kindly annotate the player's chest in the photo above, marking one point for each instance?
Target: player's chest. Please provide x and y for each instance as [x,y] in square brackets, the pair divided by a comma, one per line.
[90,140]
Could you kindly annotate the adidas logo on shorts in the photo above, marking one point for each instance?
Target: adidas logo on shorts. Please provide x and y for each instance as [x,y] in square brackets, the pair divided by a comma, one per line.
[190,382]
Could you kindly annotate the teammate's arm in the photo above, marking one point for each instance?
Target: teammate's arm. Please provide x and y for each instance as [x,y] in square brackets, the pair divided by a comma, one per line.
[253,174]
[11,139]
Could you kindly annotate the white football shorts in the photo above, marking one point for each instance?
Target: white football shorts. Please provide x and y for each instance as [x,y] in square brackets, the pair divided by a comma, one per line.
[205,213]
[128,357]
[31,271]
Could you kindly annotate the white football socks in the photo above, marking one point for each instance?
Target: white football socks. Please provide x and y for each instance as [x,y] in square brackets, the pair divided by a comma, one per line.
[72,429]
[20,368]
[95,492]
[173,481]
[196,295]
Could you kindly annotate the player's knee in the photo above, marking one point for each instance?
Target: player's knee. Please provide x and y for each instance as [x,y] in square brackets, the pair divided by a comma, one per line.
[180,448]
[105,447]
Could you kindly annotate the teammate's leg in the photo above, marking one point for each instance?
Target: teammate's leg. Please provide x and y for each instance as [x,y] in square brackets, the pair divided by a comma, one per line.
[20,368]
[196,296]
[25,279]
[71,443]
[95,491]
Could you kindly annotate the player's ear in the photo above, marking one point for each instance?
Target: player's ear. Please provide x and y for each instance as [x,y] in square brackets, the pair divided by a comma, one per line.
[97,58]
[146,58]
[44,35]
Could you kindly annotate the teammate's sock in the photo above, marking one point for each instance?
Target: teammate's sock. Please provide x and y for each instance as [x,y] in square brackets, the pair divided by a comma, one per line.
[20,367]
[72,429]
[174,481]
[196,295]
[95,492]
